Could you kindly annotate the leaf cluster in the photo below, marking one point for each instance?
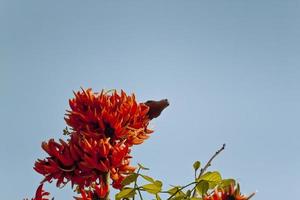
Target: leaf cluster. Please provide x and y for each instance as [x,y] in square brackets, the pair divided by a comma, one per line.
[204,184]
[197,189]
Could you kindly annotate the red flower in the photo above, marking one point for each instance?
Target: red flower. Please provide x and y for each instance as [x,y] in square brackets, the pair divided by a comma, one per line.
[114,116]
[230,194]
[97,192]
[85,195]
[104,127]
[91,159]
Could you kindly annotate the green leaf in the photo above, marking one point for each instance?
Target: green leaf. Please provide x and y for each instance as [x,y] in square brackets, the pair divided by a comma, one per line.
[213,178]
[179,197]
[202,187]
[196,165]
[152,188]
[129,179]
[188,193]
[176,190]
[237,190]
[148,178]
[195,198]
[142,167]
[173,190]
[158,183]
[125,193]
[227,183]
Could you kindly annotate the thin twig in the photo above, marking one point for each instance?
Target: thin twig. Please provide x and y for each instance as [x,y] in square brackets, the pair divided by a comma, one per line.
[208,164]
[180,189]
[107,183]
[251,195]
[136,186]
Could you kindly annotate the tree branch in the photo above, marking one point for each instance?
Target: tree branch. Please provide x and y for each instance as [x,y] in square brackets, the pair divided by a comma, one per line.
[208,164]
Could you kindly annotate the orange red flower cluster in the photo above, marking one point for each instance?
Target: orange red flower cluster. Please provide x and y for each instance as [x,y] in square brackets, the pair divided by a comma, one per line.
[230,194]
[104,127]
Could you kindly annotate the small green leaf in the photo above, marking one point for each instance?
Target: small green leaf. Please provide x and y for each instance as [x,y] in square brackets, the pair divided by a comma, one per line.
[196,165]
[227,183]
[129,179]
[177,191]
[158,183]
[195,198]
[152,188]
[142,167]
[202,187]
[148,178]
[188,193]
[213,178]
[179,197]
[125,193]
[237,190]
[173,190]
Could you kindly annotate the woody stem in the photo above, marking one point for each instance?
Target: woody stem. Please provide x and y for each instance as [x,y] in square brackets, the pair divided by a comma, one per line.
[106,182]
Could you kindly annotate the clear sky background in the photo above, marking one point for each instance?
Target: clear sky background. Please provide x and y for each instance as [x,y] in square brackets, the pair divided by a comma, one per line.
[230,70]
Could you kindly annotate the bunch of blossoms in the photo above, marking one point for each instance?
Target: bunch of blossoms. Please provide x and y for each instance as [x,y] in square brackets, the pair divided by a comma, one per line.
[103,127]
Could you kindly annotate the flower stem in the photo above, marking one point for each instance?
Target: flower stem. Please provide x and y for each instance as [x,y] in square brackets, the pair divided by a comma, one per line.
[106,178]
[136,186]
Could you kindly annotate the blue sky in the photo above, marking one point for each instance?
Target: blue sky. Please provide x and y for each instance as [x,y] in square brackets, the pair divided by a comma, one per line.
[230,70]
